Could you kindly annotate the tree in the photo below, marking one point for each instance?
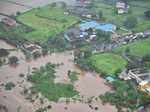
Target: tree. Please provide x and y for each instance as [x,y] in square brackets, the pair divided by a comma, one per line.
[36,55]
[130,22]
[4,53]
[146,58]
[53,4]
[64,5]
[147,14]
[13,60]
[127,50]
[103,36]
[100,14]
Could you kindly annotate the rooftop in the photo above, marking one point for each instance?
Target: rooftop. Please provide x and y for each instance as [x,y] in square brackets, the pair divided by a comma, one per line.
[99,26]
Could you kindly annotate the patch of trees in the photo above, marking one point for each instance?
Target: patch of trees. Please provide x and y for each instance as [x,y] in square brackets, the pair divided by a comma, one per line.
[147,14]
[13,60]
[125,95]
[103,36]
[57,43]
[9,86]
[3,53]
[130,22]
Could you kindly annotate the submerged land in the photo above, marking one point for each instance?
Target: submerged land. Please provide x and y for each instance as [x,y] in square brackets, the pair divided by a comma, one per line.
[74,56]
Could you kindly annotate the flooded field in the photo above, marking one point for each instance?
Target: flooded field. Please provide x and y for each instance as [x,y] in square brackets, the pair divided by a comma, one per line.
[11,7]
[88,84]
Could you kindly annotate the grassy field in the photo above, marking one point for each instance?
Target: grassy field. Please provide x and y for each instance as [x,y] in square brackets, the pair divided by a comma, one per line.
[139,48]
[107,63]
[43,81]
[46,22]
[137,9]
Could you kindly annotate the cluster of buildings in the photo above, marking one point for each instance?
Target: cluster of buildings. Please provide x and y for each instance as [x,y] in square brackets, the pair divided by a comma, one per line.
[87,30]
[142,78]
[32,48]
[122,7]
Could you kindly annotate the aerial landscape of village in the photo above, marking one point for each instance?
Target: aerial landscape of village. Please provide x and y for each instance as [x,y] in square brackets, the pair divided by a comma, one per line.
[74,55]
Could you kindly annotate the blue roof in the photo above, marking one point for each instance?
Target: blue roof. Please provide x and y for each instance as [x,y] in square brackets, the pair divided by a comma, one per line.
[99,26]
[110,79]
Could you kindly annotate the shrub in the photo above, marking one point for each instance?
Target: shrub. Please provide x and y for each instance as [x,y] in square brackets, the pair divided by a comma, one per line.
[9,86]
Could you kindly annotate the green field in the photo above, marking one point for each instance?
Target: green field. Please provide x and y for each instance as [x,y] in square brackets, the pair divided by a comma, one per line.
[46,22]
[138,48]
[107,63]
[137,9]
[43,82]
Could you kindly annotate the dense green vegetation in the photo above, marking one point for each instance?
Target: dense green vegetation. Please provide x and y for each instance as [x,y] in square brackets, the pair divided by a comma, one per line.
[72,76]
[107,63]
[43,81]
[138,48]
[46,22]
[9,86]
[125,95]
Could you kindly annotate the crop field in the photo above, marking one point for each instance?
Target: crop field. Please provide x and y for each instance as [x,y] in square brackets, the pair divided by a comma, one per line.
[107,63]
[137,9]
[46,22]
[139,48]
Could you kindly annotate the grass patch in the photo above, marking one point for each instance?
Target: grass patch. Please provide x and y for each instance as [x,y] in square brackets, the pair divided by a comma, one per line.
[46,22]
[107,63]
[138,48]
[43,81]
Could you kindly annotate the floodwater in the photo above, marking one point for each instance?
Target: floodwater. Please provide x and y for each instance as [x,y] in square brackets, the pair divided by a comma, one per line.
[4,45]
[88,84]
[11,7]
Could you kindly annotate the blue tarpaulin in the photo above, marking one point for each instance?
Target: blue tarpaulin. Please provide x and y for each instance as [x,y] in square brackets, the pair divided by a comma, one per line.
[99,26]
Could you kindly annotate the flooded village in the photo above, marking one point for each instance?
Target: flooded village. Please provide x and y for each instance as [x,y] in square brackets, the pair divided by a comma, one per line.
[67,56]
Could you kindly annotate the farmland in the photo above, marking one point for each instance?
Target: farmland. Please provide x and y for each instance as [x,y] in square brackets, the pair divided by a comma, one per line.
[138,48]
[107,63]
[46,22]
[137,10]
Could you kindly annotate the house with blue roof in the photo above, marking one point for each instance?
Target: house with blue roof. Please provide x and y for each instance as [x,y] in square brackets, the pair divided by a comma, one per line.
[108,27]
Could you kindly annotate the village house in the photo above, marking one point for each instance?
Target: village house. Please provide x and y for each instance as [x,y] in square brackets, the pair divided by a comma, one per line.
[74,34]
[82,3]
[122,7]
[32,48]
[83,12]
[9,22]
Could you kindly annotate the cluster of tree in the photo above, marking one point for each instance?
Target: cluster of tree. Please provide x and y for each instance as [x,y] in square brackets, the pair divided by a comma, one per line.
[103,36]
[130,22]
[139,62]
[125,95]
[13,60]
[57,43]
[147,14]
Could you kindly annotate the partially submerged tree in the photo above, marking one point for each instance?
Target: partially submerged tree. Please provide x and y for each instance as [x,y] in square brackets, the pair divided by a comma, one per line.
[13,60]
[4,53]
[130,22]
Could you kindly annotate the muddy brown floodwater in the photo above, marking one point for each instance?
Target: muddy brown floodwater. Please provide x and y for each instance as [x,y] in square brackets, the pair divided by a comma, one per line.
[88,84]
